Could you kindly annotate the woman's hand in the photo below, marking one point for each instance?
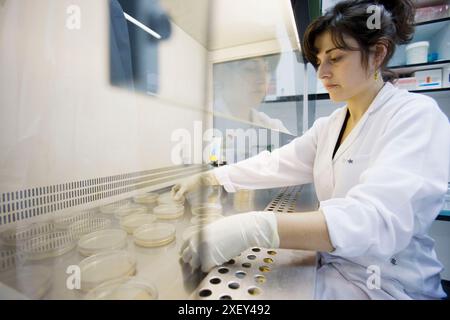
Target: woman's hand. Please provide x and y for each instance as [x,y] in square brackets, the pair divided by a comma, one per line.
[226,238]
[194,183]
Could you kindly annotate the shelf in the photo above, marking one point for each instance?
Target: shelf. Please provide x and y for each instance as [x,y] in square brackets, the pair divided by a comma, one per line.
[444,215]
[420,66]
[418,24]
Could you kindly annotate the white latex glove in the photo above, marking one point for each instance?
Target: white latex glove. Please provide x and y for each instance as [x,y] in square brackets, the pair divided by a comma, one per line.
[228,237]
[194,183]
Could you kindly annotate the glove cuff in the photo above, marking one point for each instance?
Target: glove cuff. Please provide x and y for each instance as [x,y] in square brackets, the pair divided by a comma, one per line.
[266,234]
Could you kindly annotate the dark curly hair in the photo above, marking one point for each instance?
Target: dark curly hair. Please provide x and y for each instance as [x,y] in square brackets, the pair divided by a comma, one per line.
[350,18]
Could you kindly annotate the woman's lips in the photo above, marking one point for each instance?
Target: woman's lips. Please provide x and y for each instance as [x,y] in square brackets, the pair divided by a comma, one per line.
[331,86]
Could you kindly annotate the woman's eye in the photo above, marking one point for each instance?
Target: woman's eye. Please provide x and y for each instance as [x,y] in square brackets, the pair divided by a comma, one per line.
[333,60]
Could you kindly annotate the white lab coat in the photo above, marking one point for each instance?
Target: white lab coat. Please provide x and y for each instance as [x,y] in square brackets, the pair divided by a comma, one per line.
[380,194]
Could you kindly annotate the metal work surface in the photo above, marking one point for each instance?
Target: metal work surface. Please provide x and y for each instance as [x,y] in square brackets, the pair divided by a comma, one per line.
[291,275]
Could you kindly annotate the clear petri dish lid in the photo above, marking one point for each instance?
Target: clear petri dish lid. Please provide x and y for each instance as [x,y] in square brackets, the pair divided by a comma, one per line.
[166,198]
[147,198]
[65,221]
[168,211]
[127,288]
[13,237]
[89,225]
[112,207]
[131,208]
[34,281]
[103,240]
[206,209]
[133,221]
[154,235]
[198,219]
[47,245]
[191,231]
[106,266]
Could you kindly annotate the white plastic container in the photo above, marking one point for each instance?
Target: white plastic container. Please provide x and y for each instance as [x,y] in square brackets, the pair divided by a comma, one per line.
[417,52]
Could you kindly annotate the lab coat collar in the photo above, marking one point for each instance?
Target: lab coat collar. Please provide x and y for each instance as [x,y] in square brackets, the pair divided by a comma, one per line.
[386,92]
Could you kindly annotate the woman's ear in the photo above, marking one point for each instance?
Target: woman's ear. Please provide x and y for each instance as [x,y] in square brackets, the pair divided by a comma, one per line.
[380,54]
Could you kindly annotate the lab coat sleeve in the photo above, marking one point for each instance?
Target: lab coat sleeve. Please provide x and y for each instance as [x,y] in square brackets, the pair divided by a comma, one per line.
[402,188]
[289,165]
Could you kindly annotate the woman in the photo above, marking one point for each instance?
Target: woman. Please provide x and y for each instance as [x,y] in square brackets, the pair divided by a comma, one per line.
[380,166]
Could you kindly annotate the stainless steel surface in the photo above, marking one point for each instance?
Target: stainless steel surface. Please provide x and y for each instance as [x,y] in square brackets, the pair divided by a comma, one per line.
[291,276]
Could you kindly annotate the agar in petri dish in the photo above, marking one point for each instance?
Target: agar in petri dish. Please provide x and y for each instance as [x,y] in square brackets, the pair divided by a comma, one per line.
[130,209]
[112,207]
[106,266]
[146,199]
[154,235]
[95,242]
[133,221]
[202,220]
[48,245]
[206,209]
[168,211]
[127,288]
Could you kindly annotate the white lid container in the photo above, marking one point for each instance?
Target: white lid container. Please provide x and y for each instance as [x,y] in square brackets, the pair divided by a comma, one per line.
[168,211]
[154,235]
[127,288]
[106,266]
[103,240]
[417,52]
[131,222]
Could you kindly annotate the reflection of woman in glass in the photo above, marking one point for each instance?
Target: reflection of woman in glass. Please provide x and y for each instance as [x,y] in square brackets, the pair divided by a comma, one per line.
[240,87]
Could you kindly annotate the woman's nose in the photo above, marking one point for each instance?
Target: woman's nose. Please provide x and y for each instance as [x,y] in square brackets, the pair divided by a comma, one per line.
[324,71]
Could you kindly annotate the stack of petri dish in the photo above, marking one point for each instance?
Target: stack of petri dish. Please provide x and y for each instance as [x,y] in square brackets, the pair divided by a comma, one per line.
[206,209]
[103,240]
[244,200]
[129,209]
[146,199]
[133,221]
[126,288]
[154,235]
[106,266]
[168,211]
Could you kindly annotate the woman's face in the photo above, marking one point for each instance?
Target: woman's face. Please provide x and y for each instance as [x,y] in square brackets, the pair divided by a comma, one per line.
[341,71]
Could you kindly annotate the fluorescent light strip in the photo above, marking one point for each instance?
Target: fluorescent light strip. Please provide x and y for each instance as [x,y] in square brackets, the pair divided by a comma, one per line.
[142,26]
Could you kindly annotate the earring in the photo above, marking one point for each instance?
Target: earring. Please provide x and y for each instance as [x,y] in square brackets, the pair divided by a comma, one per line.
[376,75]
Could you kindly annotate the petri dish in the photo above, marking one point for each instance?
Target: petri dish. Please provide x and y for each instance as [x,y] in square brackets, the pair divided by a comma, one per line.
[168,211]
[130,209]
[166,198]
[112,207]
[82,227]
[154,235]
[146,199]
[15,236]
[206,219]
[66,221]
[106,266]
[48,245]
[127,288]
[95,242]
[32,281]
[205,209]
[133,221]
